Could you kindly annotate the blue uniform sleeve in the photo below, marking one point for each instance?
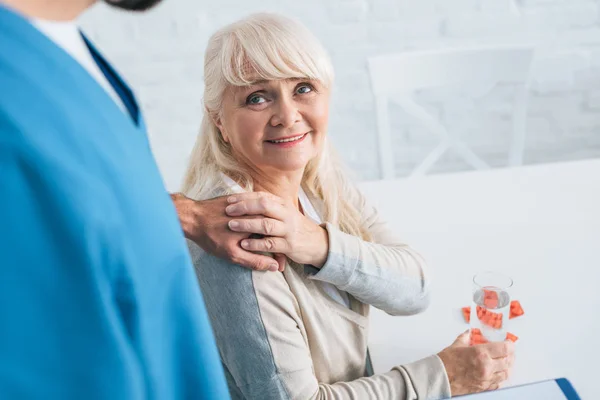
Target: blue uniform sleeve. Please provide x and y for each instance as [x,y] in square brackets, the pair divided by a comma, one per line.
[61,335]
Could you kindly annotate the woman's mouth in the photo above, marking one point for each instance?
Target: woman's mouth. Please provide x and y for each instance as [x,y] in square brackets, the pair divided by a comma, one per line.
[288,141]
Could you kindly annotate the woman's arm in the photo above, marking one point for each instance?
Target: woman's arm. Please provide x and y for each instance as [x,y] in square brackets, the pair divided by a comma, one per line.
[384,273]
[259,331]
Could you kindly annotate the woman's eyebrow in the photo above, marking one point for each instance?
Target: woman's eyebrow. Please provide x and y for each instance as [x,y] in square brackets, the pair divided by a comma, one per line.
[261,82]
[240,90]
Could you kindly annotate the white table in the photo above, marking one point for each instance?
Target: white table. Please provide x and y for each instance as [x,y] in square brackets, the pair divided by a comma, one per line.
[538,224]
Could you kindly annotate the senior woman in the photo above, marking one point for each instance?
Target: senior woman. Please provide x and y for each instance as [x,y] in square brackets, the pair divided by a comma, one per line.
[301,333]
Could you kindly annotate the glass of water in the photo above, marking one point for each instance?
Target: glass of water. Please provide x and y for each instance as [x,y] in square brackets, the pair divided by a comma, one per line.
[490,308]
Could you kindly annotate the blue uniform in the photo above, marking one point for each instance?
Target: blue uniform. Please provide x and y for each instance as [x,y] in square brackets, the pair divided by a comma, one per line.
[98,297]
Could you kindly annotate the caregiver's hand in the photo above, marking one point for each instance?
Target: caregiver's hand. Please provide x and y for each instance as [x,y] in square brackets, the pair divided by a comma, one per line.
[205,223]
[285,229]
[473,369]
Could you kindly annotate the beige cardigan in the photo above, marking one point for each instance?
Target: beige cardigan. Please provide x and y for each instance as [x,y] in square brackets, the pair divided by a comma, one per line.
[281,336]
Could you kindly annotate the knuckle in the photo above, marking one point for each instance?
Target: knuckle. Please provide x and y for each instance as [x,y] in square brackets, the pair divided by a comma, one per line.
[269,244]
[481,355]
[478,353]
[255,265]
[265,195]
[263,202]
[267,225]
[240,208]
[486,370]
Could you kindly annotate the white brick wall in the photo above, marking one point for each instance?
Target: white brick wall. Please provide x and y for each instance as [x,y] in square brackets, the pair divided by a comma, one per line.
[160,53]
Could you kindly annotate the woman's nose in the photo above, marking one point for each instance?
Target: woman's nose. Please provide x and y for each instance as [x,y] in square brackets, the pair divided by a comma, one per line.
[286,114]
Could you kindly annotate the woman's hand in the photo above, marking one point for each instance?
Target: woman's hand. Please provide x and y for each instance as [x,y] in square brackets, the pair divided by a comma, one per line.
[285,229]
[205,223]
[473,369]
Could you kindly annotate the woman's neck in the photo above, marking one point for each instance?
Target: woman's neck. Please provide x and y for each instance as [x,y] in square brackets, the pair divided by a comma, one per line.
[286,186]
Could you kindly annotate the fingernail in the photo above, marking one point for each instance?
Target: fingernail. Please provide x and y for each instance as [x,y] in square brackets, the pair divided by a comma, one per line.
[234,224]
[231,199]
[273,267]
[245,243]
[229,209]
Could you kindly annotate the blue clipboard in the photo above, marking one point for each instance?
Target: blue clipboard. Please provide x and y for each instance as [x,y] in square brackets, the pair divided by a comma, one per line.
[568,389]
[554,389]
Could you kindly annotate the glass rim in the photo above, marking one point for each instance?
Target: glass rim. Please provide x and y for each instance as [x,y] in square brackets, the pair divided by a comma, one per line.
[492,273]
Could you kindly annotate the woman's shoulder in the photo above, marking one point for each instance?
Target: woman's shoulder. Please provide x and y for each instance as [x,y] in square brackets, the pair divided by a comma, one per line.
[215,273]
[217,186]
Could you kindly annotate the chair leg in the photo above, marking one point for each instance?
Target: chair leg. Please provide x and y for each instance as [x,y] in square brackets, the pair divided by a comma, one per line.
[385,148]
[517,148]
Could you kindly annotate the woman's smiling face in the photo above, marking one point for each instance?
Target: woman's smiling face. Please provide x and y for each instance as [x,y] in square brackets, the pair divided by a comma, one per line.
[277,125]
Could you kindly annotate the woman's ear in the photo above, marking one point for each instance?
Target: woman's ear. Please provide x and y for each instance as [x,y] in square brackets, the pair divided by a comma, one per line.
[217,121]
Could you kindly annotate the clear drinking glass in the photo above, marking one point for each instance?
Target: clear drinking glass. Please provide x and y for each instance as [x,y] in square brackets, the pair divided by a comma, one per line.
[490,307]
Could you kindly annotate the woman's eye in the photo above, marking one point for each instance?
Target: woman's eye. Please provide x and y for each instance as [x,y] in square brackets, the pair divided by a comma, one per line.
[304,89]
[255,99]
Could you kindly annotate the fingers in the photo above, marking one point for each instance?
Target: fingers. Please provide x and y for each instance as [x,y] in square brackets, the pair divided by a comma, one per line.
[267,244]
[253,196]
[497,380]
[500,349]
[503,366]
[253,261]
[262,226]
[499,364]
[498,370]
[281,260]
[263,205]
[500,376]
[496,356]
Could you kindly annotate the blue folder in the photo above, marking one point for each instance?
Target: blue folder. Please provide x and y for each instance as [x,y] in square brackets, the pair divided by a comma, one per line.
[554,389]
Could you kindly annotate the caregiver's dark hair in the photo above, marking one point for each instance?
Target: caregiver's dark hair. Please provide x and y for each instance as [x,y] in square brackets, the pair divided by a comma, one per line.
[133,5]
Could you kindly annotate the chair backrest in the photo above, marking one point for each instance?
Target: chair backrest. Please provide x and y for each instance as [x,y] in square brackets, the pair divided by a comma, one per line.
[410,71]
[403,74]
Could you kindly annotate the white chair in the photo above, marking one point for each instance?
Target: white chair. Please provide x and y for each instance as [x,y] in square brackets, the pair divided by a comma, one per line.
[400,75]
